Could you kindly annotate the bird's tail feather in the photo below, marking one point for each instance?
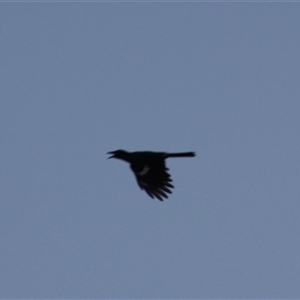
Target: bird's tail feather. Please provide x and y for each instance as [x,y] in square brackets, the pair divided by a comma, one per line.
[181,154]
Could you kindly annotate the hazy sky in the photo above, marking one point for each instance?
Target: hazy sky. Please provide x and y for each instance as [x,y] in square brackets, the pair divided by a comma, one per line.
[81,79]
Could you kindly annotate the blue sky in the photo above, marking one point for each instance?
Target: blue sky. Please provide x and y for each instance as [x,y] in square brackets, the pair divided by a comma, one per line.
[81,79]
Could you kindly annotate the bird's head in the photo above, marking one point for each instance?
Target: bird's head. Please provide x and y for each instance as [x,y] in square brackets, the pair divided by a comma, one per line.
[120,154]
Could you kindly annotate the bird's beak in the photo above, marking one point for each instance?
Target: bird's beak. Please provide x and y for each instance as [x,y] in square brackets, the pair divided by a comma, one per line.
[113,154]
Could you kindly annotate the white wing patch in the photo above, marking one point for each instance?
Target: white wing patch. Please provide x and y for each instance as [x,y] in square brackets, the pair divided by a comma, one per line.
[144,171]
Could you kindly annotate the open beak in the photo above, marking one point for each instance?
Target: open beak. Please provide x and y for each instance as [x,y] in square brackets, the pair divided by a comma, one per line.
[113,154]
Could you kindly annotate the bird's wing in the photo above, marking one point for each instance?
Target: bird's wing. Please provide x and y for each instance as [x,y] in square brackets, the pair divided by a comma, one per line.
[154,179]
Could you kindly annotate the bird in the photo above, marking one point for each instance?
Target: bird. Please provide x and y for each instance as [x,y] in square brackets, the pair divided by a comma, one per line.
[150,170]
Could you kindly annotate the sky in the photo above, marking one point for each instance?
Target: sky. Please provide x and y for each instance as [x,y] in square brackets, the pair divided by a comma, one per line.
[81,79]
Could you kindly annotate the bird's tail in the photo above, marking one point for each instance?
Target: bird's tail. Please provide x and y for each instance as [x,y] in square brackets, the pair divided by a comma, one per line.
[181,154]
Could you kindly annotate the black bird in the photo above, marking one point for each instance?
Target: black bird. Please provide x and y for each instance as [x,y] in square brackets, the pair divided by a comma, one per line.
[150,170]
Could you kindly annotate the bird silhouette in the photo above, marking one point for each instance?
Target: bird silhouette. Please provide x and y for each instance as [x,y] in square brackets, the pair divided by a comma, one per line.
[150,170]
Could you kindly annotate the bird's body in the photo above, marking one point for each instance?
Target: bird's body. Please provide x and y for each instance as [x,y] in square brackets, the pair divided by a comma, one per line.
[150,170]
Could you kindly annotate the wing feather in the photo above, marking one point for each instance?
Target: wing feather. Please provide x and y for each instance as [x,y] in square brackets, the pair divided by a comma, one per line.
[156,181]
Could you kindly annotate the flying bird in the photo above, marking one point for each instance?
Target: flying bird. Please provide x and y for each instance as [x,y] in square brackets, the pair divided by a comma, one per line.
[150,170]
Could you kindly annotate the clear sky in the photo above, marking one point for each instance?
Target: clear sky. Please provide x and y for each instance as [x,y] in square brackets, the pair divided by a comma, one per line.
[81,79]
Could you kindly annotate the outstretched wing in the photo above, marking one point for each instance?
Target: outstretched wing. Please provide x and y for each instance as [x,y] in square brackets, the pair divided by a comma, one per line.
[154,179]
